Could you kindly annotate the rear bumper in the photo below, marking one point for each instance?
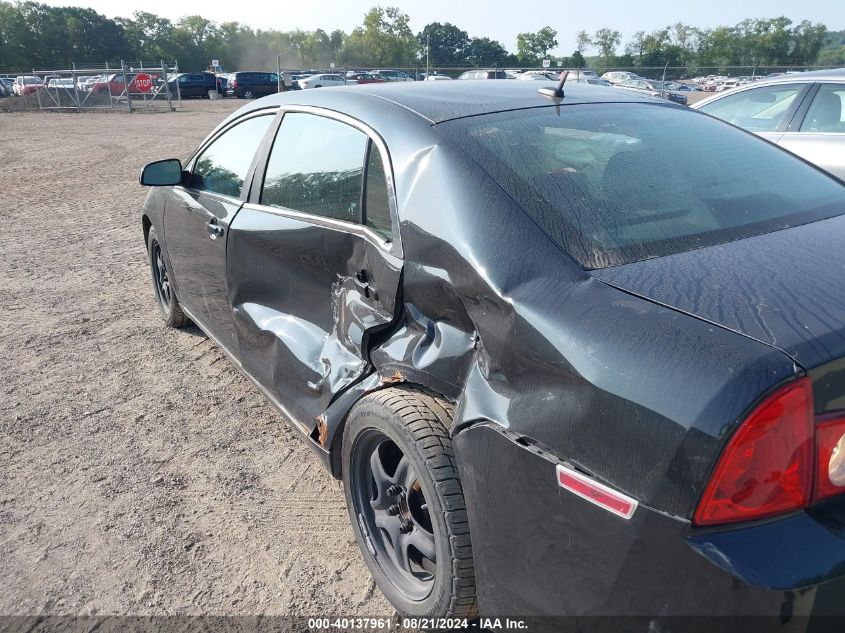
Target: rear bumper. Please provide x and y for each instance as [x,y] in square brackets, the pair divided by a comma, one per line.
[541,550]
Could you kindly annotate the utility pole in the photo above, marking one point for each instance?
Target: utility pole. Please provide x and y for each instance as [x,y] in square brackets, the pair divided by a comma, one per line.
[426,53]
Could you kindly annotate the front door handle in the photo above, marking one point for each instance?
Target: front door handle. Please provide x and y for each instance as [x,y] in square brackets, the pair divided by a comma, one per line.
[214,229]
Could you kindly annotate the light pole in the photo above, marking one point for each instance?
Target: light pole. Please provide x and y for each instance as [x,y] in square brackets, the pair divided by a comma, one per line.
[426,53]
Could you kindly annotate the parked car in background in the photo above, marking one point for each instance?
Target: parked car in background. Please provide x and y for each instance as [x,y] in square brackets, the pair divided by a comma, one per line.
[678,86]
[8,86]
[803,112]
[223,82]
[437,77]
[594,81]
[247,85]
[90,82]
[618,76]
[653,88]
[80,81]
[363,78]
[570,356]
[193,84]
[543,74]
[484,74]
[577,73]
[114,85]
[27,84]
[61,82]
[392,75]
[323,81]
[533,77]
[728,84]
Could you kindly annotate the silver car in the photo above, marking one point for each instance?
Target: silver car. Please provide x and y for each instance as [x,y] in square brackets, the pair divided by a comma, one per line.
[803,112]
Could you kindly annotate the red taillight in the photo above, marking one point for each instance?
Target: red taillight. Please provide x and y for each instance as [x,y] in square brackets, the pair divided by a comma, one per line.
[830,452]
[767,467]
[234,84]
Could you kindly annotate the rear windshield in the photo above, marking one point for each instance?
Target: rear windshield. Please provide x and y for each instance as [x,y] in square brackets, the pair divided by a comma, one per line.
[616,183]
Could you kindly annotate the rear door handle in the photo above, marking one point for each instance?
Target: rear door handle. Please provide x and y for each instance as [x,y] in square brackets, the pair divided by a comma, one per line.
[214,229]
[363,280]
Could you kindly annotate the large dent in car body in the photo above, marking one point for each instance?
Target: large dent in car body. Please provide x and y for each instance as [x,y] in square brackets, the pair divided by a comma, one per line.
[500,320]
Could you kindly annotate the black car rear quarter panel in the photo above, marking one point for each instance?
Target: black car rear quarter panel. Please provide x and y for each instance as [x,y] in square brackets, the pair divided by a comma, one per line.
[498,318]
[539,549]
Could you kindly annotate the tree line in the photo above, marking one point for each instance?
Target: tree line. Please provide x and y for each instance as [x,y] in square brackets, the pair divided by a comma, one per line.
[34,35]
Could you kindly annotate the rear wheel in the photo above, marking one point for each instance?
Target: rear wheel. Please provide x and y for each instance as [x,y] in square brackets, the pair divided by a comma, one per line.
[168,303]
[248,93]
[406,503]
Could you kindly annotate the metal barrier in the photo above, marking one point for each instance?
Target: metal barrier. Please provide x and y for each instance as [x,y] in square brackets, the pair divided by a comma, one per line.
[129,88]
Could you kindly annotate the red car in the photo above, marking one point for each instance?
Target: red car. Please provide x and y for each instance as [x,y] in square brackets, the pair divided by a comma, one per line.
[114,84]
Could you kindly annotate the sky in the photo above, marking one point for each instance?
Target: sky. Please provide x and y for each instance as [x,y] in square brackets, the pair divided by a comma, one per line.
[498,19]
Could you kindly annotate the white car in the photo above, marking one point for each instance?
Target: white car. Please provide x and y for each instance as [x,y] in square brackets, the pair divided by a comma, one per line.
[65,83]
[583,73]
[727,85]
[322,81]
[438,78]
[618,76]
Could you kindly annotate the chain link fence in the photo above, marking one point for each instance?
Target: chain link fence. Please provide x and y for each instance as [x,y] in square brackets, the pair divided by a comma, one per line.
[687,72]
[126,87]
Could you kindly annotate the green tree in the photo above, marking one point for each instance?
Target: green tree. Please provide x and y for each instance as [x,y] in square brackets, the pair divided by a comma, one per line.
[385,39]
[149,36]
[448,45]
[532,47]
[607,40]
[483,51]
[583,41]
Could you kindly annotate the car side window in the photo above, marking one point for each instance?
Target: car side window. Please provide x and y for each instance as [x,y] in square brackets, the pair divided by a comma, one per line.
[222,166]
[316,166]
[376,199]
[827,112]
[759,109]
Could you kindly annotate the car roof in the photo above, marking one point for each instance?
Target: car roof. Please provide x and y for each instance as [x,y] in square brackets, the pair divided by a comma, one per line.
[837,74]
[437,102]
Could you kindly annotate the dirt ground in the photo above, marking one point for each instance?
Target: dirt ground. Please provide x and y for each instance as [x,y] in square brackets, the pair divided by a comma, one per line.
[140,472]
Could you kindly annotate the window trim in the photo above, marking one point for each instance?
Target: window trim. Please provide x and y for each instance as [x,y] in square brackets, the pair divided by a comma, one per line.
[394,246]
[248,179]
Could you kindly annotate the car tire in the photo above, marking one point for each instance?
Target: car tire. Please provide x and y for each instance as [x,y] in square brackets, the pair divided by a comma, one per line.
[248,93]
[419,504]
[168,303]
[318,86]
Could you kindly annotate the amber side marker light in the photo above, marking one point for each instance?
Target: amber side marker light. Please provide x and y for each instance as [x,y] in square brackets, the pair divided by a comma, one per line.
[779,460]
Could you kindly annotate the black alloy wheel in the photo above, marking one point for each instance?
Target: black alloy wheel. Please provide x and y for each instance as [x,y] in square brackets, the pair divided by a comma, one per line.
[394,513]
[406,502]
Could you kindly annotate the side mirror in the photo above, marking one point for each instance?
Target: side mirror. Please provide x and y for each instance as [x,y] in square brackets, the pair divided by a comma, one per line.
[162,173]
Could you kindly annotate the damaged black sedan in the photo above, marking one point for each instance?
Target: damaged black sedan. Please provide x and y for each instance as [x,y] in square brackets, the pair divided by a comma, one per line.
[579,355]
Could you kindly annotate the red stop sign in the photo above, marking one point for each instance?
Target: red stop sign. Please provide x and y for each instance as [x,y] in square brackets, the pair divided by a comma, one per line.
[143,82]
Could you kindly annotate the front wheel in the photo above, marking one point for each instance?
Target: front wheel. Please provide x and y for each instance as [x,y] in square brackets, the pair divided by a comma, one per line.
[168,303]
[248,93]
[406,502]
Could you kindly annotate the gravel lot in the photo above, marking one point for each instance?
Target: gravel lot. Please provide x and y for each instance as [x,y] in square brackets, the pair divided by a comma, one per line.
[141,473]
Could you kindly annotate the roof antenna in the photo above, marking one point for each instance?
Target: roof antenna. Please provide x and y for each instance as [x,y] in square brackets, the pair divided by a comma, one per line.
[555,93]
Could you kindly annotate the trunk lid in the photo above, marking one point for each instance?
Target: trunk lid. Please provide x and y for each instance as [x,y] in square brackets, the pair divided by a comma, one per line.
[785,289]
